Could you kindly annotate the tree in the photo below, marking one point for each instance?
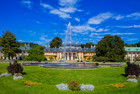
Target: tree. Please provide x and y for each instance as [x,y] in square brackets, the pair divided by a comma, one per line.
[36,54]
[89,58]
[87,45]
[30,44]
[56,42]
[51,58]
[112,48]
[10,47]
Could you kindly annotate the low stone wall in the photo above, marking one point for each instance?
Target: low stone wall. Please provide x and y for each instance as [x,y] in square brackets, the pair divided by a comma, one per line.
[111,64]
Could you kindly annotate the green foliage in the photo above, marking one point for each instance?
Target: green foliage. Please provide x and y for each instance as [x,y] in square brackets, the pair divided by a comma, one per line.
[15,68]
[133,45]
[127,59]
[76,57]
[74,86]
[112,48]
[87,45]
[9,44]
[100,59]
[89,58]
[56,42]
[51,58]
[51,77]
[36,54]
[30,44]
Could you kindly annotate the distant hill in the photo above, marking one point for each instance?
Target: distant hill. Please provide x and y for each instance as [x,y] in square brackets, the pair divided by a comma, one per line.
[27,43]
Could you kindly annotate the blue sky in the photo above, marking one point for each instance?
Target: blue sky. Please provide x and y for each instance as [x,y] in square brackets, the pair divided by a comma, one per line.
[39,21]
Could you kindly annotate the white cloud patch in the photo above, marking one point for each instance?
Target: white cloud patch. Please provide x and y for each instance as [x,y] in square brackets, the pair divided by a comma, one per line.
[46,6]
[60,13]
[132,39]
[101,30]
[133,26]
[135,15]
[98,34]
[64,10]
[82,28]
[100,18]
[44,39]
[27,3]
[118,17]
[77,19]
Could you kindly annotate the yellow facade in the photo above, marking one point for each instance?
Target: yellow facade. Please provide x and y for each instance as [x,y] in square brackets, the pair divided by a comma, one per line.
[79,55]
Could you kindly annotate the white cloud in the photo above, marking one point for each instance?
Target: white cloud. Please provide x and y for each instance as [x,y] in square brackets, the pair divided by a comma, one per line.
[132,39]
[82,28]
[67,2]
[133,26]
[44,39]
[46,6]
[60,13]
[21,40]
[135,15]
[66,7]
[98,34]
[118,17]
[101,30]
[27,3]
[77,19]
[100,18]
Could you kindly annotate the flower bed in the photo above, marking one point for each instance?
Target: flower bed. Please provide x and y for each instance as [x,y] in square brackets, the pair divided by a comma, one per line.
[75,86]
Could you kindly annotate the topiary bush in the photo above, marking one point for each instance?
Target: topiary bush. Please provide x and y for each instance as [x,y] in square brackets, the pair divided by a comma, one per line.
[14,68]
[132,69]
[74,86]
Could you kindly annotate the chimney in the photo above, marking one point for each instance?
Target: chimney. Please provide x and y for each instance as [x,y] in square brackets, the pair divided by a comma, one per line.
[76,42]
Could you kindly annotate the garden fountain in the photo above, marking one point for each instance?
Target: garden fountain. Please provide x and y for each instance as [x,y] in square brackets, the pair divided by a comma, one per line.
[62,63]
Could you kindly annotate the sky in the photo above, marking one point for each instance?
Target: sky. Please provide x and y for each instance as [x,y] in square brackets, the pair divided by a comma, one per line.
[39,21]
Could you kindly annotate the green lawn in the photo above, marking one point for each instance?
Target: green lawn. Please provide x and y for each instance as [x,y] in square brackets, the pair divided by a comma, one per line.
[101,78]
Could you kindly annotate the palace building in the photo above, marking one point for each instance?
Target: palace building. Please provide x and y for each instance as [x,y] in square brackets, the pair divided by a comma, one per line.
[132,52]
[69,52]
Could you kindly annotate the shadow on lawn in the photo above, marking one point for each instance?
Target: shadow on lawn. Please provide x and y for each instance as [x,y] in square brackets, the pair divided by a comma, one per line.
[24,73]
[124,75]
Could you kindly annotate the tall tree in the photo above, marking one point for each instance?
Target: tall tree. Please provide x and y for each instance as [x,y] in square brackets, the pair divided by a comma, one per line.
[36,54]
[56,42]
[111,47]
[10,47]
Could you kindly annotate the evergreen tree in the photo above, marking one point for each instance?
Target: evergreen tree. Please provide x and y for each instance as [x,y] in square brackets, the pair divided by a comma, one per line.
[10,47]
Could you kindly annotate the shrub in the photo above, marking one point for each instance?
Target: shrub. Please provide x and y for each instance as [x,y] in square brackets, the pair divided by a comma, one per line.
[101,59]
[14,68]
[132,69]
[73,85]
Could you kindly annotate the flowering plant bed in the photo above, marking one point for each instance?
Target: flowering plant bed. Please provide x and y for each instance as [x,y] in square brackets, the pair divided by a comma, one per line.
[75,86]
